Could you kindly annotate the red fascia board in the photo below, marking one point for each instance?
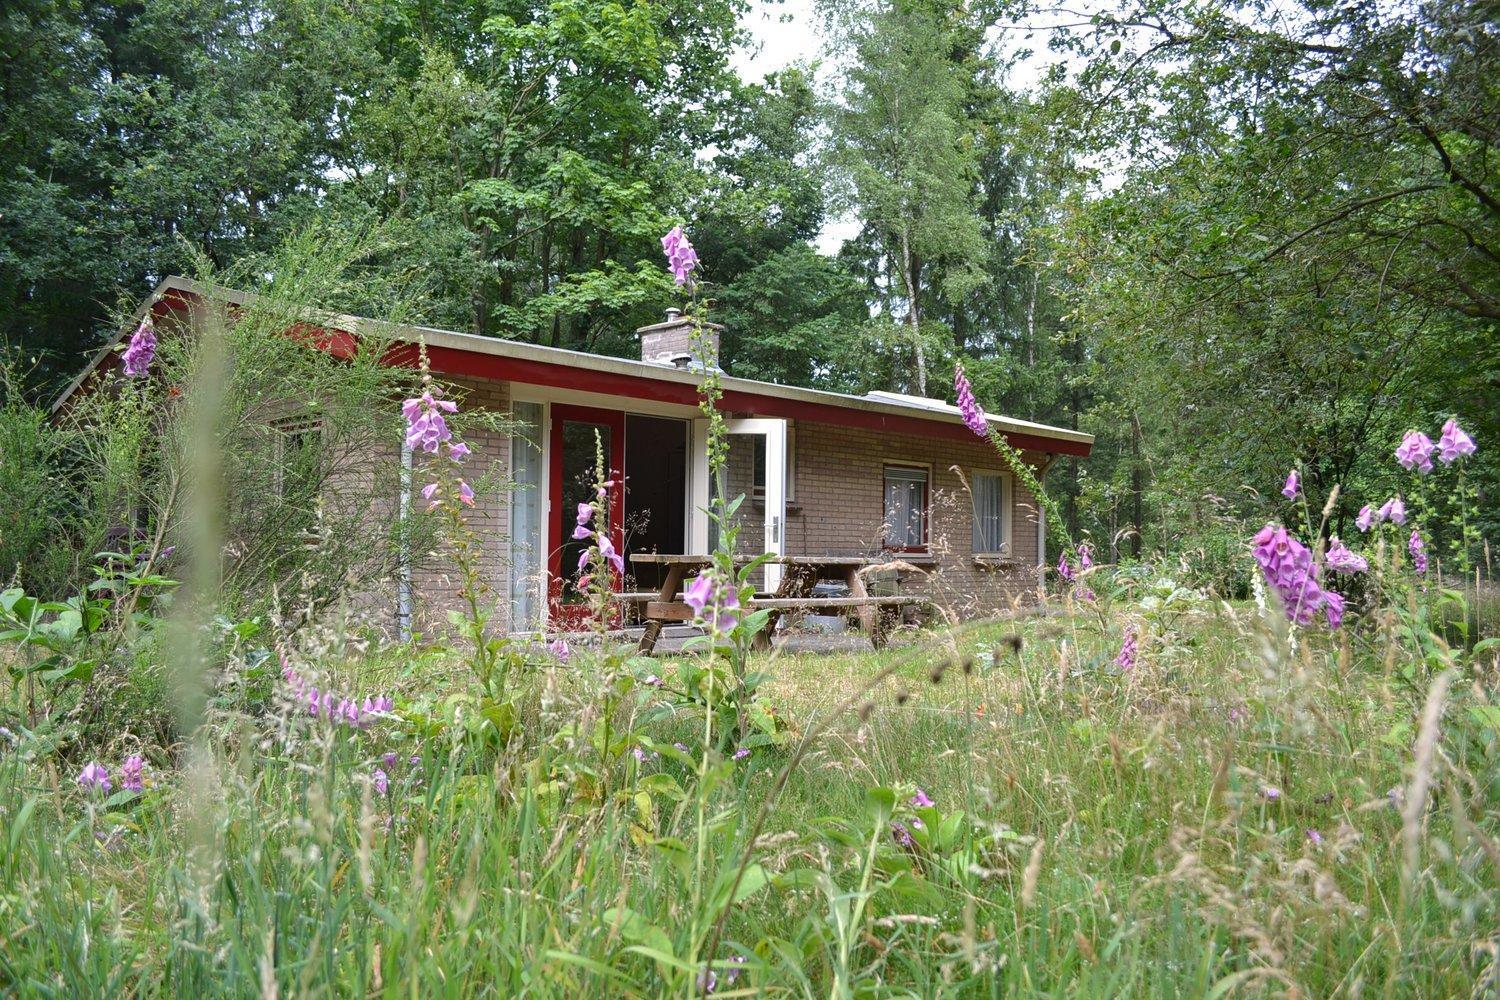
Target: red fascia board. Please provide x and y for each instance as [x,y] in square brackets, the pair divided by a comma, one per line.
[459,362]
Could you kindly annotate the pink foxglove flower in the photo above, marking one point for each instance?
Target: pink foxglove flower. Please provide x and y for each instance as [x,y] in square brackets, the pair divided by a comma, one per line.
[1415,452]
[1393,510]
[465,494]
[1288,567]
[1085,556]
[426,429]
[1454,443]
[1341,559]
[1333,608]
[1293,486]
[921,800]
[1063,569]
[1126,659]
[681,257]
[713,601]
[1366,518]
[140,351]
[1418,551]
[458,451]
[94,777]
[973,413]
[381,781]
[132,773]
[559,650]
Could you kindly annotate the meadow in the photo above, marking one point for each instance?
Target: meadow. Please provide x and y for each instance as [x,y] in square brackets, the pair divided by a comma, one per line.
[993,809]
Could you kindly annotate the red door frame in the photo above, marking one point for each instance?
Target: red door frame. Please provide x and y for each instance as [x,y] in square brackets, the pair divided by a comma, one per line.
[567,615]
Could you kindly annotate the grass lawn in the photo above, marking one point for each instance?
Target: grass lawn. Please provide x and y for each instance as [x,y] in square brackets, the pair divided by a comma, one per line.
[1223,818]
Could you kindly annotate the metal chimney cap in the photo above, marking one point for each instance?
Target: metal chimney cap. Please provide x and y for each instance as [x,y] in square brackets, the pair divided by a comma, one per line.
[673,314]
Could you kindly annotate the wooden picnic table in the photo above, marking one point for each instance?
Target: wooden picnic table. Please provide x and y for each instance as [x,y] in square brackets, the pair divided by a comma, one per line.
[802,574]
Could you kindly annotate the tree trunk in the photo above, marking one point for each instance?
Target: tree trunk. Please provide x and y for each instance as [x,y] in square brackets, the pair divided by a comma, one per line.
[913,317]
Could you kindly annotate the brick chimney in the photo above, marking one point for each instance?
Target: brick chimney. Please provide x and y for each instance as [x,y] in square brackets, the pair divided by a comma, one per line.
[671,342]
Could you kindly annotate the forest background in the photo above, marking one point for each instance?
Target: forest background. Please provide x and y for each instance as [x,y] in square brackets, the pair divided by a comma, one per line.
[1228,239]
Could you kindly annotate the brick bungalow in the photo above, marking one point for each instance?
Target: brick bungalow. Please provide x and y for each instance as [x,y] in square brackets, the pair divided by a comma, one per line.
[883,475]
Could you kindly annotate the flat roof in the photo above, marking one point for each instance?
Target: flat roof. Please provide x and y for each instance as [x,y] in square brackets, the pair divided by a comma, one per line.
[892,403]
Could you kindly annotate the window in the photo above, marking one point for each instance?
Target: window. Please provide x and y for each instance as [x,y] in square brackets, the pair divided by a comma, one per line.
[991,492]
[758,472]
[526,517]
[299,452]
[905,508]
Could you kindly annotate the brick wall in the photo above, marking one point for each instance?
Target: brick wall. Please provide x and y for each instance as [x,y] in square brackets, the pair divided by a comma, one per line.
[435,582]
[840,510]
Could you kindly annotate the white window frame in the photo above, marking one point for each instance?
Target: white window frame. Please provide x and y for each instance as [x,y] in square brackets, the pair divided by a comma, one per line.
[537,571]
[285,427]
[758,490]
[1007,505]
[926,547]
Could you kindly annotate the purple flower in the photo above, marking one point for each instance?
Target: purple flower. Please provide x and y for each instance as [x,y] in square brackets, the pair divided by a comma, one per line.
[140,351]
[681,746]
[585,513]
[1333,608]
[607,551]
[1454,443]
[1126,659]
[559,649]
[94,777]
[390,758]
[973,413]
[1365,519]
[741,753]
[1418,552]
[1415,452]
[901,833]
[465,494]
[1270,792]
[425,427]
[458,451]
[708,980]
[736,963]
[382,783]
[643,755]
[681,257]
[1393,510]
[1315,837]
[921,801]
[1288,568]
[1293,486]
[132,773]
[1341,559]
[1085,556]
[713,602]
[652,681]
[1063,569]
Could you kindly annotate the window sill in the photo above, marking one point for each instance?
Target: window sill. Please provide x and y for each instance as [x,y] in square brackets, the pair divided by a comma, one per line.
[911,556]
[996,561]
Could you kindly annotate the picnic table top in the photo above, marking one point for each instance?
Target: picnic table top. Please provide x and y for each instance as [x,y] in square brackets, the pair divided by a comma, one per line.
[669,559]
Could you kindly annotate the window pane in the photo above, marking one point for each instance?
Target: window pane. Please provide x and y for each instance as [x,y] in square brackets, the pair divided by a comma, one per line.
[526,517]
[989,512]
[905,507]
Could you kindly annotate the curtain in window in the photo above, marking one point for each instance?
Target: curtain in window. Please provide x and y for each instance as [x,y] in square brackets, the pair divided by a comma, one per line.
[989,512]
[526,517]
[905,507]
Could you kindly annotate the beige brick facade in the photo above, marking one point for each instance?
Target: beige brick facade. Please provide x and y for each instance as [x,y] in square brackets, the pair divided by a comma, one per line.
[838,509]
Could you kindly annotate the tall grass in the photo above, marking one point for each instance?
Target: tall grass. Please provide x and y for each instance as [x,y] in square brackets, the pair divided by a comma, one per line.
[1230,817]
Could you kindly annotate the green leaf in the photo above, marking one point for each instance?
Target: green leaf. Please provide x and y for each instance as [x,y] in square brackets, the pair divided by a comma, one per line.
[880,803]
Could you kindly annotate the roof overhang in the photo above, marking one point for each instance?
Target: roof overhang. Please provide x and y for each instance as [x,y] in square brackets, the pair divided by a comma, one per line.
[469,354]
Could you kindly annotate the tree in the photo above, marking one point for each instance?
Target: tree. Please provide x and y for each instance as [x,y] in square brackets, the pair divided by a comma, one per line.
[900,138]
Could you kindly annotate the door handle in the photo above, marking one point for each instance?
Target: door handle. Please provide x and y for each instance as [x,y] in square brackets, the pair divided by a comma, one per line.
[775,529]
